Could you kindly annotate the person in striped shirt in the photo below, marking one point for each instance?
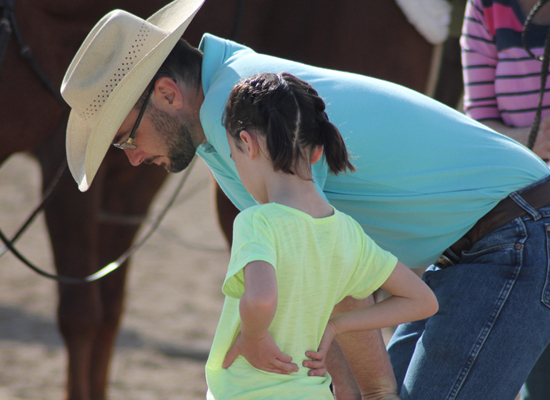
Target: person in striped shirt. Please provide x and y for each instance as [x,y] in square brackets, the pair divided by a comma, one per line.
[501,80]
[502,90]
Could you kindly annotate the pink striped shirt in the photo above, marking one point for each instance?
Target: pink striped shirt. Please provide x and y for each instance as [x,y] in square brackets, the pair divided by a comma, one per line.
[501,80]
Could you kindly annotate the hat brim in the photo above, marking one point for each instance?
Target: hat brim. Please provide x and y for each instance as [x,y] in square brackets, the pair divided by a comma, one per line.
[86,145]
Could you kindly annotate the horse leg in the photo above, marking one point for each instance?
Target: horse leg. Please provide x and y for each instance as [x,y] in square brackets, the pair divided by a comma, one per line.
[70,219]
[127,194]
[88,314]
[111,295]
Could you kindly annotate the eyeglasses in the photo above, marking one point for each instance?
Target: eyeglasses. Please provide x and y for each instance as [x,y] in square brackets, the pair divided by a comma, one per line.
[129,143]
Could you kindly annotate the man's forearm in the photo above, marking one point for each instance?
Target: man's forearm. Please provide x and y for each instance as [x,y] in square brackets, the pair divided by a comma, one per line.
[343,381]
[366,356]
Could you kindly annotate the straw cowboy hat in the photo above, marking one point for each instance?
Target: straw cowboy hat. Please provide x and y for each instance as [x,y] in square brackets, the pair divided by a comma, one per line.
[109,73]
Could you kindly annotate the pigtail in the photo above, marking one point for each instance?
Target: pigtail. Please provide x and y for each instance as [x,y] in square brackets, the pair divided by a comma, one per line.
[291,116]
[336,154]
[317,130]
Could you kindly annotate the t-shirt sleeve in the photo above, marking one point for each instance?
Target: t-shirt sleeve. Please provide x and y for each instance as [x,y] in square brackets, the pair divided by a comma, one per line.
[252,241]
[374,268]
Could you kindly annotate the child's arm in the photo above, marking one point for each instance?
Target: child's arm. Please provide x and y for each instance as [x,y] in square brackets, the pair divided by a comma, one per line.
[257,308]
[411,299]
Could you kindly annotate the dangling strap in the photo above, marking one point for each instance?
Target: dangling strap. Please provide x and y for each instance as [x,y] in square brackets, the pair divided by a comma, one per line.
[6,10]
[8,25]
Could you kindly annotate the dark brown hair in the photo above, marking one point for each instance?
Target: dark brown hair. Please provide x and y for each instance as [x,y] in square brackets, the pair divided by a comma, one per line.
[291,116]
[184,63]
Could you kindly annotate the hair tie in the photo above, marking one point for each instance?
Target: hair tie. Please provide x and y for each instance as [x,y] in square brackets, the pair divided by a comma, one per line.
[272,111]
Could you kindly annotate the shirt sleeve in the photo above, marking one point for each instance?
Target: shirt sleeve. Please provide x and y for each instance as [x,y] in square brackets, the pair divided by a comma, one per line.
[479,61]
[374,268]
[252,241]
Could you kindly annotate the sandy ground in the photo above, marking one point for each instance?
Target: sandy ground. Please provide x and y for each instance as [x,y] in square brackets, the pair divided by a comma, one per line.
[173,301]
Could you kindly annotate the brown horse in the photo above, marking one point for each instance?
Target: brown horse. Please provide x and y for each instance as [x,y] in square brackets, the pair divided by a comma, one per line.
[89,230]
[85,228]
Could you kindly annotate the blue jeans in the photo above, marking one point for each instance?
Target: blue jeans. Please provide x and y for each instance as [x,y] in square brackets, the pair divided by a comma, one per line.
[493,321]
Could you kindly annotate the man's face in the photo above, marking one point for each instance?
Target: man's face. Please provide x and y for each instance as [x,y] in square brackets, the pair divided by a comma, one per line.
[161,138]
[178,139]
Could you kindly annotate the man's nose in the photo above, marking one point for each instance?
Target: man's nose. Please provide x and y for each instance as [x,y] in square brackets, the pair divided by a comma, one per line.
[134,156]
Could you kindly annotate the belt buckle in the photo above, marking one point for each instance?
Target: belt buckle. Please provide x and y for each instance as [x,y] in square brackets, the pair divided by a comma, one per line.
[443,262]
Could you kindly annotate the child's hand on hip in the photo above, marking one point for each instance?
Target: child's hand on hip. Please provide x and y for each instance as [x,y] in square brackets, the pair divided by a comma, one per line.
[317,364]
[262,353]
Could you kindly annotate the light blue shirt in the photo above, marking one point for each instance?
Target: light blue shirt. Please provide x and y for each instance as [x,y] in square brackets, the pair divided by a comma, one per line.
[425,172]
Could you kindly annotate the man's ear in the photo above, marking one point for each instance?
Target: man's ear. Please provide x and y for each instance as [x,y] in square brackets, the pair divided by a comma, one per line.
[250,141]
[316,154]
[168,93]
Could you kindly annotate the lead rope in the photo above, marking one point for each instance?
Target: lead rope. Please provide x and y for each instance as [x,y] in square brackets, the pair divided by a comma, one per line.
[115,264]
[38,208]
[8,25]
[544,70]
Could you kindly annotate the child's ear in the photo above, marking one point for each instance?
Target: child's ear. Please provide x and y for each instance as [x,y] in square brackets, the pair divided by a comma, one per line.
[250,142]
[316,154]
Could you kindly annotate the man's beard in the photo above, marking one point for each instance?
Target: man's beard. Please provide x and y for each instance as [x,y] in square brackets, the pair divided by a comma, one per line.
[178,138]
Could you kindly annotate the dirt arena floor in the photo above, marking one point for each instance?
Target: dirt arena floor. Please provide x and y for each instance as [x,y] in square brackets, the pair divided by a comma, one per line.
[173,298]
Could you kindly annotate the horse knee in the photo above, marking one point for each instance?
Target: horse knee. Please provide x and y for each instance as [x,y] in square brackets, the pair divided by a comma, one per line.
[79,310]
[112,308]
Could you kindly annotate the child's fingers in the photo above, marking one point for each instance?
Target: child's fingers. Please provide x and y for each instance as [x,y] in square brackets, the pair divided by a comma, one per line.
[279,367]
[276,371]
[285,366]
[314,364]
[316,355]
[283,357]
[317,372]
[284,361]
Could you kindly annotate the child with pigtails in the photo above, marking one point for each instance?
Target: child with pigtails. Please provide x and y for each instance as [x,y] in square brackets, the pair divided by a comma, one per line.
[294,256]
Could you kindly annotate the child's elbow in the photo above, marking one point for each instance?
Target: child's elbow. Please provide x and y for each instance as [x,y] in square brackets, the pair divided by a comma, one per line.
[265,305]
[261,303]
[431,304]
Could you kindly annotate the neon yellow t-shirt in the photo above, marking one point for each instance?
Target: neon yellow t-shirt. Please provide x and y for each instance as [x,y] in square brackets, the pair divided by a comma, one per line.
[318,262]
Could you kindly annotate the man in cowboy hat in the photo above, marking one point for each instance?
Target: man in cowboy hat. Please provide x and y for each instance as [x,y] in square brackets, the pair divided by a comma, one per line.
[431,186]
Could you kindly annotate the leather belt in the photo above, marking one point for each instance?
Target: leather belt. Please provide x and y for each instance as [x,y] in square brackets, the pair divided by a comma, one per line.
[505,211]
